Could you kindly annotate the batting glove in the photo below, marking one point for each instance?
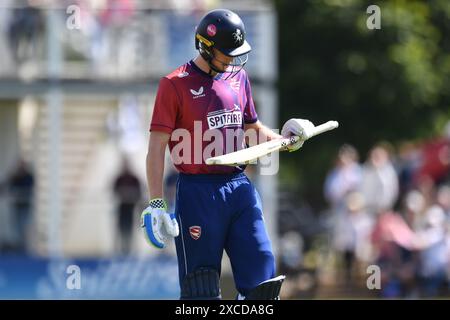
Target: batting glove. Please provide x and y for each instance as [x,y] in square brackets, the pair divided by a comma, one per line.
[158,225]
[298,127]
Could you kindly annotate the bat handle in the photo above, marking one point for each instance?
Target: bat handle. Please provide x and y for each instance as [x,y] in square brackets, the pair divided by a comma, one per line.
[327,126]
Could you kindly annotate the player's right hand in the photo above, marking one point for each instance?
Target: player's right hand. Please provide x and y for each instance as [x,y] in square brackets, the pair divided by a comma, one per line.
[158,225]
[302,128]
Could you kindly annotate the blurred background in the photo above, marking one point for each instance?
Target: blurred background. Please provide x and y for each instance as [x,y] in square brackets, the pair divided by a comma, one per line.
[78,80]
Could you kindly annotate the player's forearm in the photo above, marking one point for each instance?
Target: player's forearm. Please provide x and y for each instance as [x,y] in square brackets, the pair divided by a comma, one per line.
[264,133]
[267,134]
[155,165]
[155,172]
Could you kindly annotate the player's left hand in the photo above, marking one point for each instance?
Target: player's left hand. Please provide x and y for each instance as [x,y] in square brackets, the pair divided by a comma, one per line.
[158,225]
[298,127]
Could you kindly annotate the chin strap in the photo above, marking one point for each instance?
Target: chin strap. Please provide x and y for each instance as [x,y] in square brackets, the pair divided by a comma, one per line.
[208,55]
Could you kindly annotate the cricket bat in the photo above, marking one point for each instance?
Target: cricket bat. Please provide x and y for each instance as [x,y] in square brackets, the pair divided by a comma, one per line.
[249,155]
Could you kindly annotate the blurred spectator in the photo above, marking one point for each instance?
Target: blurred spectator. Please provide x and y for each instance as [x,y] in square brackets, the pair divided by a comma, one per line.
[414,207]
[291,252]
[344,178]
[393,241]
[434,260]
[379,180]
[407,162]
[25,29]
[127,189]
[21,187]
[434,245]
[427,188]
[435,159]
[443,199]
[412,249]
[352,234]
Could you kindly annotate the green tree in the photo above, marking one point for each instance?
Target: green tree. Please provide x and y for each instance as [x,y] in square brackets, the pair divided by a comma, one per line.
[389,84]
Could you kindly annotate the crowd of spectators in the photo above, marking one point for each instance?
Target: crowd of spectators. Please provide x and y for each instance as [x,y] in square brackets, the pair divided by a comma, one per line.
[393,210]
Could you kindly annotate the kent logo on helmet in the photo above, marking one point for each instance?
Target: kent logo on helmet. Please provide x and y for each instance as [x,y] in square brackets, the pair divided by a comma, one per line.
[223,30]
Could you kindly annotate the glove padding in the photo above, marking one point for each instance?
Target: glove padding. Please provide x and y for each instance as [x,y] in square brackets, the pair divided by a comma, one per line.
[298,127]
[158,225]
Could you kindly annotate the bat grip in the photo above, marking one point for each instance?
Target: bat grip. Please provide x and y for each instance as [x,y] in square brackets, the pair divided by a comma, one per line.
[330,125]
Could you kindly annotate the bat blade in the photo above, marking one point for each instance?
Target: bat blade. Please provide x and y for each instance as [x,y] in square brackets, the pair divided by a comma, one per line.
[249,155]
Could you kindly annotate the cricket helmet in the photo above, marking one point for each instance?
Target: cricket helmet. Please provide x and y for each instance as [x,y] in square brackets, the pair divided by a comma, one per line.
[223,30]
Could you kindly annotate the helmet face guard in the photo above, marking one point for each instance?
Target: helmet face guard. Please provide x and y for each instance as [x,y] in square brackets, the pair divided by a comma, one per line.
[230,68]
[223,30]
[236,65]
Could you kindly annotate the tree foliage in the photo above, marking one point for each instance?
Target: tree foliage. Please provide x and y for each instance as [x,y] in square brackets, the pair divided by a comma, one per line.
[389,84]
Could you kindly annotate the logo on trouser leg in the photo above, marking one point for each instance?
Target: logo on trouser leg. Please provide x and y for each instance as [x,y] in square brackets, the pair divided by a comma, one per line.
[195,232]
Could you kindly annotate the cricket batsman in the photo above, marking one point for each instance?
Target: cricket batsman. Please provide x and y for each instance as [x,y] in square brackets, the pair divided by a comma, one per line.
[217,207]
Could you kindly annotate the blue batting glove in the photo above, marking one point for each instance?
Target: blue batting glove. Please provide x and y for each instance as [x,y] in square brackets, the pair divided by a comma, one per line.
[158,225]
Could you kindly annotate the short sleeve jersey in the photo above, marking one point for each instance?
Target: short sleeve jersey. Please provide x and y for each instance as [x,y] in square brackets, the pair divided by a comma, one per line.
[202,114]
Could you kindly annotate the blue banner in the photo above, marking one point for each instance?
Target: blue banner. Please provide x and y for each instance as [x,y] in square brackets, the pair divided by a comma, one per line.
[118,278]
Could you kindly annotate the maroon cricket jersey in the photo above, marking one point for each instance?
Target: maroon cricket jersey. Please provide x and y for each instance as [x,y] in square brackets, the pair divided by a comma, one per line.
[190,99]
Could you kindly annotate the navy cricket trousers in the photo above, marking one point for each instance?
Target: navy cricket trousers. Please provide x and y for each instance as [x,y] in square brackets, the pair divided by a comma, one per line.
[222,212]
